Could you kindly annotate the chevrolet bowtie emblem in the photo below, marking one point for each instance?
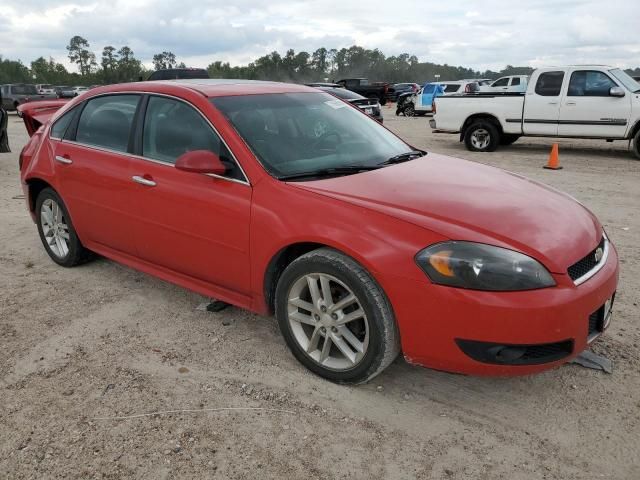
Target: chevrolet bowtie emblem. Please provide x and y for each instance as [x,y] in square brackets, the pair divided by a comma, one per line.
[598,255]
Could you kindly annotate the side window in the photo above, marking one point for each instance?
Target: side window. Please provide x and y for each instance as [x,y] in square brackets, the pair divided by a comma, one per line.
[106,121]
[451,88]
[589,83]
[60,127]
[549,84]
[171,128]
[515,81]
[351,83]
[501,82]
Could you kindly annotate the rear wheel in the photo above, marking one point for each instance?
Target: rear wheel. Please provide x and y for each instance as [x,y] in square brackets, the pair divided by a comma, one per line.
[56,230]
[335,318]
[482,136]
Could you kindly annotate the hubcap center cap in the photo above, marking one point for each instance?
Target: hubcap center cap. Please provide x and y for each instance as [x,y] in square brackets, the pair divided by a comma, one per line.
[326,320]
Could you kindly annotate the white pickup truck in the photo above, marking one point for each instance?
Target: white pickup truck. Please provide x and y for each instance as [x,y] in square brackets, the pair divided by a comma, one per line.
[574,102]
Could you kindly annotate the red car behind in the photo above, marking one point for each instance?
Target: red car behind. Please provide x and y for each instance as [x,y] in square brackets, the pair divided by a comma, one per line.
[279,198]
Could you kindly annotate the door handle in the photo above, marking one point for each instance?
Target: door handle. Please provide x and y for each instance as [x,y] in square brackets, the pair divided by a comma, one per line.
[65,160]
[143,181]
[571,103]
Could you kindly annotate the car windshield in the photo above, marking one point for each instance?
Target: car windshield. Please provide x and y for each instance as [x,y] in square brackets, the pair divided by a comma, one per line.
[625,79]
[302,133]
[24,90]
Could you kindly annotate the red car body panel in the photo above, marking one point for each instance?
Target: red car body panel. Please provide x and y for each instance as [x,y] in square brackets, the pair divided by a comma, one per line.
[219,237]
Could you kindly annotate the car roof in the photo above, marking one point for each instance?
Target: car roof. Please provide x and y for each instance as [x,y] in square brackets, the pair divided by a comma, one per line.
[213,87]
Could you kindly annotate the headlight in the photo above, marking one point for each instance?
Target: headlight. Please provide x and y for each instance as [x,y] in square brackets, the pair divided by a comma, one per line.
[477,266]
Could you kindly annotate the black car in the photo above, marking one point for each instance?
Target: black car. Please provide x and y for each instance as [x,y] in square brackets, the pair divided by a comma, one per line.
[178,74]
[4,137]
[370,106]
[400,88]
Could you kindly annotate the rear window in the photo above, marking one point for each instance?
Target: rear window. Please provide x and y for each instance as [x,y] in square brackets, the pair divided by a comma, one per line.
[24,90]
[515,81]
[344,93]
[60,127]
[549,84]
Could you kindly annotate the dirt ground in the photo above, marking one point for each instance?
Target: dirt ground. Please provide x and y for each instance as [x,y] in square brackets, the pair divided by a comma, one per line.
[101,340]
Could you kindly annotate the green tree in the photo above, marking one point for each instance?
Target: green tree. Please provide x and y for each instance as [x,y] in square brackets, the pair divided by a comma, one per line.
[109,63]
[80,54]
[129,67]
[13,71]
[164,60]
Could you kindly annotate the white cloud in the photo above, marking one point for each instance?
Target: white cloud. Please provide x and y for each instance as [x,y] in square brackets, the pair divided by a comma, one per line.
[494,33]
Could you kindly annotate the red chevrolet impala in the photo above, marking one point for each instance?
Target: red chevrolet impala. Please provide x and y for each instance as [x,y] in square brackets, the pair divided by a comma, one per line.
[279,198]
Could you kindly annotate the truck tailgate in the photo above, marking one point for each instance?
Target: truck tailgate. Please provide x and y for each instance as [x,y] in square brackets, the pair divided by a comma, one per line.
[452,111]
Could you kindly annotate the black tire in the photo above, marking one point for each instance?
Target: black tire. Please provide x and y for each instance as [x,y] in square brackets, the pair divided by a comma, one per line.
[384,338]
[76,254]
[636,145]
[508,139]
[409,110]
[485,129]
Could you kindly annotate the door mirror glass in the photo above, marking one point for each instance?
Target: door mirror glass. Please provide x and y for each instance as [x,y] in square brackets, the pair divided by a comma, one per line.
[616,92]
[201,161]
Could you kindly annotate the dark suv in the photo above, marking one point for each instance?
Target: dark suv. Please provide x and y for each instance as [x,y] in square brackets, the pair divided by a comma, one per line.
[19,93]
[178,73]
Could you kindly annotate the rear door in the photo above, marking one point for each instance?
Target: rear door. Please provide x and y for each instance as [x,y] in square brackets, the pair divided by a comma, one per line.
[92,165]
[193,224]
[588,109]
[542,104]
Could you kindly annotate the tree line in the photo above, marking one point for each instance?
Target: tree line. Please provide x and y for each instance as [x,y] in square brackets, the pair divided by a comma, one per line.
[119,64]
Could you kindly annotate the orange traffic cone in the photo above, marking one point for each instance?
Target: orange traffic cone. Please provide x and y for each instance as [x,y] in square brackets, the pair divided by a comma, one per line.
[554,162]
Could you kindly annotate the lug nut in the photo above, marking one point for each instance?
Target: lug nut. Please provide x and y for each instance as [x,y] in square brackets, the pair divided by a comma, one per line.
[334,329]
[323,330]
[334,316]
[316,316]
[323,308]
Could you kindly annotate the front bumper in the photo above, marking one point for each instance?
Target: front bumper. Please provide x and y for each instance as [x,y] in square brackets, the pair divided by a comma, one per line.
[434,319]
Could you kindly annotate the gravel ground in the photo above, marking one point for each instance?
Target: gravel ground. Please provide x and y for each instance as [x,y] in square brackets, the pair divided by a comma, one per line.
[81,346]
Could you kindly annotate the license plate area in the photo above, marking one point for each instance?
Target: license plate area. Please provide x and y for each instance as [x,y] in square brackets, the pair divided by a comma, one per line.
[600,319]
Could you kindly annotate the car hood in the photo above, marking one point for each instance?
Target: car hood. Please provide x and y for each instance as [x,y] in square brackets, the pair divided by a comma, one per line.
[463,200]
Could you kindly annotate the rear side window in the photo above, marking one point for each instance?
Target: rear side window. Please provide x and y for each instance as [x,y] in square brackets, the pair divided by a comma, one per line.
[60,126]
[549,84]
[501,82]
[589,83]
[172,127]
[515,81]
[106,121]
[451,88]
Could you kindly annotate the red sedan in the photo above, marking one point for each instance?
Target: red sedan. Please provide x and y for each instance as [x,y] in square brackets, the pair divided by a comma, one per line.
[279,198]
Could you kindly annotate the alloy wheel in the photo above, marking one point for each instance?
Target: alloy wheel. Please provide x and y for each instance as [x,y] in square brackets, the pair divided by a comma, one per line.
[55,228]
[327,321]
[480,138]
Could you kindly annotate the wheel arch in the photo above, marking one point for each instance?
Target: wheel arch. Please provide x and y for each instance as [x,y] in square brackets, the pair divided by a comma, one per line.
[634,129]
[36,185]
[480,116]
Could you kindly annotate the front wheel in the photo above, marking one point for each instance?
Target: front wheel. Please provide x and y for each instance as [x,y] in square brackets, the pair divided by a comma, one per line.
[409,110]
[482,136]
[335,318]
[56,230]
[636,145]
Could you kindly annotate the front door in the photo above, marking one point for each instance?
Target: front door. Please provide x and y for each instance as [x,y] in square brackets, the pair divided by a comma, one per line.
[92,165]
[193,224]
[589,110]
[542,105]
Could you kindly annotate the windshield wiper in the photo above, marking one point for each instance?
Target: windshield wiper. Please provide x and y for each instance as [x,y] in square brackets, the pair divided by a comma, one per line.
[404,157]
[328,172]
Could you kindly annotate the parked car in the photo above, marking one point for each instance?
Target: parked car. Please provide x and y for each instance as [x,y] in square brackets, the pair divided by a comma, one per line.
[78,90]
[575,101]
[370,106]
[400,88]
[511,83]
[381,91]
[324,84]
[178,73]
[45,89]
[18,93]
[65,91]
[277,198]
[421,102]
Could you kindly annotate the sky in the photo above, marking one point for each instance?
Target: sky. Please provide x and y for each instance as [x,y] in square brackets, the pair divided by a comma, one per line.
[485,34]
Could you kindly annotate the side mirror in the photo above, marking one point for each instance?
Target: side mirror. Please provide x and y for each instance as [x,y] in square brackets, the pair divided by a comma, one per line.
[201,161]
[616,92]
